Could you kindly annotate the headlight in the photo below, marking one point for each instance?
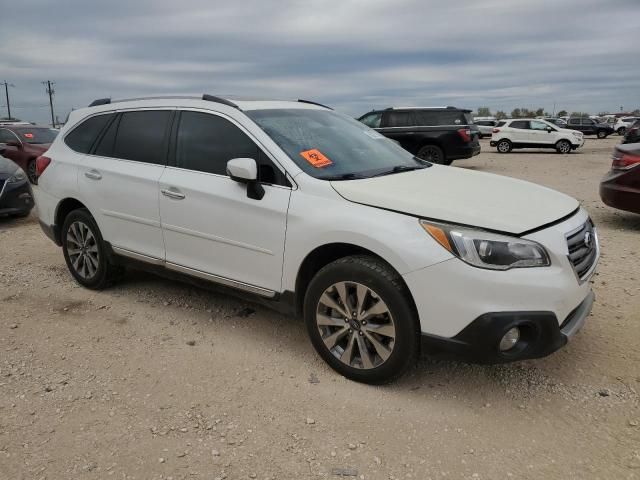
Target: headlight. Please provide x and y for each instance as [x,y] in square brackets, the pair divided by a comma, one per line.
[577,134]
[487,250]
[17,177]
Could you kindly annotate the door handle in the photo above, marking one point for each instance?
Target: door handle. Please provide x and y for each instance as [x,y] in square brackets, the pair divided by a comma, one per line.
[93,175]
[173,193]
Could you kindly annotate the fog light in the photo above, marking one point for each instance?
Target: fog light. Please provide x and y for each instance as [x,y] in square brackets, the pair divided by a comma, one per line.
[510,339]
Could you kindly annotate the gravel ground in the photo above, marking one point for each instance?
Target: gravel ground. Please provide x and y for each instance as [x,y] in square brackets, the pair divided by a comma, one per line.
[154,379]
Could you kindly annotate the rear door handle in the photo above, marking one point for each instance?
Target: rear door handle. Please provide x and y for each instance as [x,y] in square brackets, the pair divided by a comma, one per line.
[93,175]
[173,193]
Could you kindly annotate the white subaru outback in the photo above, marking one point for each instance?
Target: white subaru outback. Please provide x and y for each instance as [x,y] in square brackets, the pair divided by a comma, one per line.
[314,212]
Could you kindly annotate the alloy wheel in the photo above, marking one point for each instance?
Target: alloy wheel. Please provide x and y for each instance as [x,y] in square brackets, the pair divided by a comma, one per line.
[564,147]
[430,154]
[503,147]
[355,325]
[82,249]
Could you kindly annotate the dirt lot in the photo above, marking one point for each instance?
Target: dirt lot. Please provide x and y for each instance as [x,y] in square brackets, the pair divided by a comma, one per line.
[154,379]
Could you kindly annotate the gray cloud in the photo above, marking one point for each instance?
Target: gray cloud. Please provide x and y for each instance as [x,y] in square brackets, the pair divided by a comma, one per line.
[355,54]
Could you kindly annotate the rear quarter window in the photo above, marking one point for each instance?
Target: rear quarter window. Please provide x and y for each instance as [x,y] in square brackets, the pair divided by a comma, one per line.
[82,137]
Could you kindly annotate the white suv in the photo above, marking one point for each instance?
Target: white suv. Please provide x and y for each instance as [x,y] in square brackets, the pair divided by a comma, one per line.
[315,212]
[534,133]
[622,124]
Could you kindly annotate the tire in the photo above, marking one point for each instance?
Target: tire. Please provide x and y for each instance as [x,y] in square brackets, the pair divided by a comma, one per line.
[31,171]
[433,154]
[621,131]
[601,134]
[340,332]
[504,146]
[89,264]
[563,146]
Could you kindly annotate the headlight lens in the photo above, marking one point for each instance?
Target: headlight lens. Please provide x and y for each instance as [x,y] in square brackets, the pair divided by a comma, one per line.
[487,250]
[577,134]
[17,177]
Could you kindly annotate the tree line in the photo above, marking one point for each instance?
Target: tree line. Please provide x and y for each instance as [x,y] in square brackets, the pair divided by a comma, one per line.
[539,112]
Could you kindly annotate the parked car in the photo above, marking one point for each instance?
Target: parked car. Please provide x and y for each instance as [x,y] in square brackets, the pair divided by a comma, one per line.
[620,188]
[16,198]
[24,143]
[556,121]
[622,124]
[632,134]
[532,133]
[319,215]
[436,134]
[590,127]
[485,127]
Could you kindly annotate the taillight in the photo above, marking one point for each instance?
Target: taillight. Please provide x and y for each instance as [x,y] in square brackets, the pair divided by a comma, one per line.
[624,160]
[42,163]
[495,130]
[465,133]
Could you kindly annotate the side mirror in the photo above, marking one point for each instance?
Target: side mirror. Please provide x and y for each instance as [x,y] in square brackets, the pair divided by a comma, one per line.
[245,170]
[14,143]
[549,129]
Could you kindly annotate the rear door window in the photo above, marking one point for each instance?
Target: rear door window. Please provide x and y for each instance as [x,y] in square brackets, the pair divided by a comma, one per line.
[521,124]
[574,121]
[399,119]
[442,117]
[82,137]
[141,136]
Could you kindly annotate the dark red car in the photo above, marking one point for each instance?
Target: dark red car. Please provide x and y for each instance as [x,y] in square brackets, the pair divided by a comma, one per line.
[24,143]
[620,188]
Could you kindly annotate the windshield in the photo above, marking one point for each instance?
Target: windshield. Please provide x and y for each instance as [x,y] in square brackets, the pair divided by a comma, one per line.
[36,135]
[332,146]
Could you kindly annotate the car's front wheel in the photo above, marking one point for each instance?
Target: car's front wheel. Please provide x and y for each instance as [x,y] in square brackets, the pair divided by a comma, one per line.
[361,320]
[563,146]
[622,131]
[504,146]
[85,251]
[602,134]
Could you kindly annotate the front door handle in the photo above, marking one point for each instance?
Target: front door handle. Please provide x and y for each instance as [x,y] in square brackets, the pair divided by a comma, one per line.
[93,175]
[173,193]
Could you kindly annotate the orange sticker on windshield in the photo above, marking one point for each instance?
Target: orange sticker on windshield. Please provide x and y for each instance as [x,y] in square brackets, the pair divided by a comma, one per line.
[316,158]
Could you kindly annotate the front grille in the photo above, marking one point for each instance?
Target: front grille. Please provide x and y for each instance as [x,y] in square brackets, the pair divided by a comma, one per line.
[583,249]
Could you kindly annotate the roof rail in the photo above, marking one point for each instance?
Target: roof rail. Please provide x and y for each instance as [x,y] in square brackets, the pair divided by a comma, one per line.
[313,103]
[100,101]
[224,101]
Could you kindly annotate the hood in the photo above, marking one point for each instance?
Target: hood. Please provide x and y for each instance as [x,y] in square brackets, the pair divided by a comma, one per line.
[7,167]
[462,196]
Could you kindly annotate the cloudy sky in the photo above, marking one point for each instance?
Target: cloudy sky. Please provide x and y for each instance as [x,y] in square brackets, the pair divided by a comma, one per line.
[352,54]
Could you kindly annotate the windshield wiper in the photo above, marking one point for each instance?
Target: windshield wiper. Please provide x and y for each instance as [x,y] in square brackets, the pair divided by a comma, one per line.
[342,176]
[401,168]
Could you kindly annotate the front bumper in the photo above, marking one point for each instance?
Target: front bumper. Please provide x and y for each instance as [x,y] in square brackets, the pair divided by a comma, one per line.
[540,335]
[15,199]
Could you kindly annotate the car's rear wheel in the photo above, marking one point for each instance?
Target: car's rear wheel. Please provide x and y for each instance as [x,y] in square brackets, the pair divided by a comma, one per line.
[361,320]
[32,172]
[601,134]
[504,146]
[85,251]
[563,146]
[622,131]
[433,154]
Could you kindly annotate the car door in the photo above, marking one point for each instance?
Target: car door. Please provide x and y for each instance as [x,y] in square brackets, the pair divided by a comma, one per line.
[539,133]
[588,126]
[119,181]
[519,131]
[211,227]
[398,125]
[575,124]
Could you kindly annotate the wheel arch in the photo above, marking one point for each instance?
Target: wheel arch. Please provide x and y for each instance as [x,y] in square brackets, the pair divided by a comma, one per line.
[64,207]
[323,255]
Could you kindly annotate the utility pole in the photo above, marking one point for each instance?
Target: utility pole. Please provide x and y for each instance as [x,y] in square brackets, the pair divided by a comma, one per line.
[51,91]
[6,92]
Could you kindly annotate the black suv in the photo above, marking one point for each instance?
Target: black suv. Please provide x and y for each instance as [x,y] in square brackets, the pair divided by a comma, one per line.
[439,135]
[589,127]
